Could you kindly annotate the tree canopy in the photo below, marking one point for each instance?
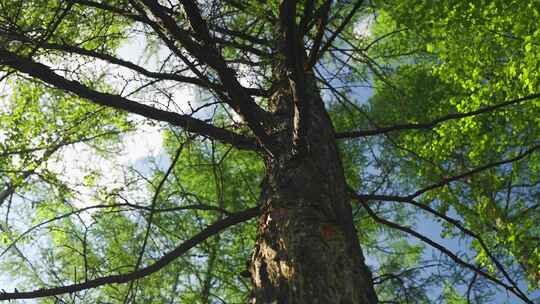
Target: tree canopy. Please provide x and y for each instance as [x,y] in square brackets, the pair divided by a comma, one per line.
[435,109]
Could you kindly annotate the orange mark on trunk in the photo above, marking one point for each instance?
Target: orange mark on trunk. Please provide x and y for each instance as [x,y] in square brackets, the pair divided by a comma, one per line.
[328,231]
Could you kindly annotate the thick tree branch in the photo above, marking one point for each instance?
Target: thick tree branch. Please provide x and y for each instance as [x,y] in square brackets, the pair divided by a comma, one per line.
[151,74]
[430,125]
[145,20]
[209,231]
[112,9]
[316,53]
[207,53]
[190,124]
[321,28]
[411,200]
[309,7]
[293,50]
[445,251]
[448,180]
[242,35]
[128,207]
[240,98]
[456,223]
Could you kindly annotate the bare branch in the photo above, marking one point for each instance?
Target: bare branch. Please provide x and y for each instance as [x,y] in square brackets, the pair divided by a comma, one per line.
[187,122]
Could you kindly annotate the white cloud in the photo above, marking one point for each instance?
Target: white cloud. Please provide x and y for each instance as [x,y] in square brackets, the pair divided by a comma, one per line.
[362,29]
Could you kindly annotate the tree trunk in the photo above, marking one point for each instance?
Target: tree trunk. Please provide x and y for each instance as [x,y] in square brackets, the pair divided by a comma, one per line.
[307,249]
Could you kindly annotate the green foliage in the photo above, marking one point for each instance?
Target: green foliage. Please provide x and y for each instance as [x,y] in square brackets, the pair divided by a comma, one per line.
[472,55]
[424,60]
[57,21]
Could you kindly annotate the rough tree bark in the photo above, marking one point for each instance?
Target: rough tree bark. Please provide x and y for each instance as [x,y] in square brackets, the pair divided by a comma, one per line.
[307,250]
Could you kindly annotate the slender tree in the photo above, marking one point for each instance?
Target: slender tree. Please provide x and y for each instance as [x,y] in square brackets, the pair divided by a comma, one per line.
[259,107]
